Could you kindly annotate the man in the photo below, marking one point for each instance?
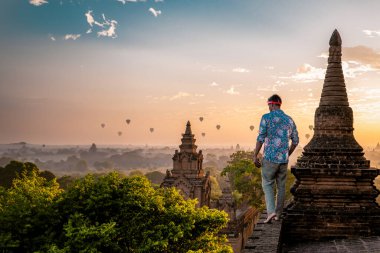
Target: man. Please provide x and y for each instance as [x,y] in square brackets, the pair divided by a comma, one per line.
[276,128]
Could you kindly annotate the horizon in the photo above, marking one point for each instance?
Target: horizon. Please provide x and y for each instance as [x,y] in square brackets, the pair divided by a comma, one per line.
[67,67]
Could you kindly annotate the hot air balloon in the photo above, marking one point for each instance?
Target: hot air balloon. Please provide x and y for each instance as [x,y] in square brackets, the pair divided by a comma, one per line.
[251,127]
[151,129]
[203,134]
[102,125]
[119,133]
[311,127]
[128,121]
[218,127]
[201,119]
[307,136]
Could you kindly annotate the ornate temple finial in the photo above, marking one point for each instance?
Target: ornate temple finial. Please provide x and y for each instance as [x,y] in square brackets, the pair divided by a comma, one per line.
[334,88]
[335,39]
[188,128]
[188,141]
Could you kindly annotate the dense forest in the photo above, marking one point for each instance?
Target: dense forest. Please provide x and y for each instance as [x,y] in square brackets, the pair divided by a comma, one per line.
[101,213]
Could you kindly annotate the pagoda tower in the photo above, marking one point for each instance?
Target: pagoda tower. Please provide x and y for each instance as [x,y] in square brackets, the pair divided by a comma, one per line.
[334,193]
[187,174]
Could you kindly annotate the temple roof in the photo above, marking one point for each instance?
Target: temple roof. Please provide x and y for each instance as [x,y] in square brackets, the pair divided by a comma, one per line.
[188,128]
[188,141]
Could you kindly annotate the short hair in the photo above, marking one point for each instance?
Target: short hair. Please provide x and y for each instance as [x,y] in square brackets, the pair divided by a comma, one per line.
[275,99]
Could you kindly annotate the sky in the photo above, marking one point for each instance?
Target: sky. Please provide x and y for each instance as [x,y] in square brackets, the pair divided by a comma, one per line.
[69,66]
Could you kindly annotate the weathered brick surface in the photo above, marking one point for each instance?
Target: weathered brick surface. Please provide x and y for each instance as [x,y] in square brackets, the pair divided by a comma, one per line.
[265,237]
[366,244]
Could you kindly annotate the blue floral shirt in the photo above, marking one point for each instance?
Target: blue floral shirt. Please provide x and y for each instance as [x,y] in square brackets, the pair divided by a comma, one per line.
[276,128]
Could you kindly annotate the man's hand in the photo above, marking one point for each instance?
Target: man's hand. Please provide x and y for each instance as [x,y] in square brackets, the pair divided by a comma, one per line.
[257,162]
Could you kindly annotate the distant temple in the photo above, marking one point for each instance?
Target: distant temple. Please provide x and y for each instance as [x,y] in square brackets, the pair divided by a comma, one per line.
[188,176]
[334,194]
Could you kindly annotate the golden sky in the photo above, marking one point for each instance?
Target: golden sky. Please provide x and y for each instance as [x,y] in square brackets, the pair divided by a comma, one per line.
[69,66]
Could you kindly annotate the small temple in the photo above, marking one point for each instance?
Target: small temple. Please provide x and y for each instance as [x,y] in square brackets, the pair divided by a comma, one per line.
[187,174]
[189,177]
[334,193]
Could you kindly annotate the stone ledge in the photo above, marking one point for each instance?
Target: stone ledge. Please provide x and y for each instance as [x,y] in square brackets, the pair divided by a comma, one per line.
[265,237]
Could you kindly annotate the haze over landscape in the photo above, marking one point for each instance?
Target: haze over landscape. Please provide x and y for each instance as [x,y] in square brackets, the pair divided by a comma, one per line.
[69,66]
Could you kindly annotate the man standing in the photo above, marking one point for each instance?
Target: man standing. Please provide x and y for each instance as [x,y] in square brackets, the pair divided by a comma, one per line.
[276,128]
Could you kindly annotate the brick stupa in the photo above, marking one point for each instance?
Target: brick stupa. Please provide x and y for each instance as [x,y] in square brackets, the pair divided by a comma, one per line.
[334,193]
[187,174]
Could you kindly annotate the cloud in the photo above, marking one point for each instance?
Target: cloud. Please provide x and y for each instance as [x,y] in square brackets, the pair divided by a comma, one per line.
[280,83]
[38,2]
[214,84]
[371,33]
[351,69]
[51,37]
[179,95]
[91,21]
[323,55]
[90,18]
[71,36]
[241,70]
[306,74]
[232,91]
[362,54]
[108,25]
[131,1]
[155,12]
[269,67]
[268,88]
[111,31]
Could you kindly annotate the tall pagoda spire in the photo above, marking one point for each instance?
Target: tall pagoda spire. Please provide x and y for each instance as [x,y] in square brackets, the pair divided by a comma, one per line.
[333,121]
[334,87]
[334,192]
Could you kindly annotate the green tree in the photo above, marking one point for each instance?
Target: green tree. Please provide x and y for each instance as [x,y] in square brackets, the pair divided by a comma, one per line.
[135,173]
[25,211]
[155,177]
[14,168]
[112,213]
[245,178]
[216,192]
[65,181]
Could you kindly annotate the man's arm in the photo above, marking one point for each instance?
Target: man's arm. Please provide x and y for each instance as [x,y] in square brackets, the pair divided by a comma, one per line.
[294,137]
[260,140]
[256,152]
[292,148]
